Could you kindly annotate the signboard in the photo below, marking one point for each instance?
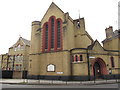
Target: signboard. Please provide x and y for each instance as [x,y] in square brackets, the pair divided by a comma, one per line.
[91,57]
[51,68]
[59,72]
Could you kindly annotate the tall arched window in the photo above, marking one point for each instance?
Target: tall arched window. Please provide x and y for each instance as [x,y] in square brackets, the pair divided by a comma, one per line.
[46,38]
[81,58]
[52,34]
[76,57]
[18,47]
[58,34]
[112,62]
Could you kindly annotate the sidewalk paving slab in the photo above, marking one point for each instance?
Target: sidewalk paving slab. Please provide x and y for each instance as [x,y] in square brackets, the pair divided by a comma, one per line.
[55,82]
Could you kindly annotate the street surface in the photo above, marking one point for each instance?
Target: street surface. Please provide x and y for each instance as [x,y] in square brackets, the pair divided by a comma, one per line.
[59,86]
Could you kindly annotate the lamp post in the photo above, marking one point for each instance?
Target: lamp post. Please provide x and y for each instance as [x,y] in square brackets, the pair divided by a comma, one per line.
[88,65]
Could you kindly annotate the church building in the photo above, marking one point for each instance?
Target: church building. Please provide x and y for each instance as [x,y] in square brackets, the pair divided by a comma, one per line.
[62,49]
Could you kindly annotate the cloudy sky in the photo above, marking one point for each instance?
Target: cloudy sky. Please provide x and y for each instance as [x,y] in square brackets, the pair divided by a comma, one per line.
[16,17]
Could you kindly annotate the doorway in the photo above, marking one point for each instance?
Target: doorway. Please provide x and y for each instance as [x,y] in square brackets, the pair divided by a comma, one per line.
[97,70]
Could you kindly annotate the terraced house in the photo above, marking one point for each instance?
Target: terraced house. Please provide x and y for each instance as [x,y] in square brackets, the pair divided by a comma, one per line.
[62,49]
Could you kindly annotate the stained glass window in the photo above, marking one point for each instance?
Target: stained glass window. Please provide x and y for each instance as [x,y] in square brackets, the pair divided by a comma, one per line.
[58,32]
[46,38]
[52,34]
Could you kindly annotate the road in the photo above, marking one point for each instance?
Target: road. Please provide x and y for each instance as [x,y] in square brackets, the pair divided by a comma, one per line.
[59,86]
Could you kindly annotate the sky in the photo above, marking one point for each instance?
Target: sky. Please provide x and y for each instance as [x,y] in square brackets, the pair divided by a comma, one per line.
[16,17]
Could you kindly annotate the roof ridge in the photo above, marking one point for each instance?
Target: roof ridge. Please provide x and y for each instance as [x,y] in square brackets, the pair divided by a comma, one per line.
[24,38]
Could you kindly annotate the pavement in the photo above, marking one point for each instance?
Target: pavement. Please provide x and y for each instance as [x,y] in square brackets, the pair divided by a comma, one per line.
[55,82]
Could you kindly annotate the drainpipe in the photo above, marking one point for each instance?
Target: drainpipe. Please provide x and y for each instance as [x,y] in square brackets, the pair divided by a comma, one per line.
[71,65]
[88,65]
[13,62]
[7,62]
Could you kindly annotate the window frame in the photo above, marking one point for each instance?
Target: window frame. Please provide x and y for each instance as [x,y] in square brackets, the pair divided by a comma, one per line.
[15,49]
[21,58]
[76,58]
[19,47]
[81,58]
[17,60]
[46,36]
[58,34]
[112,62]
[52,33]
[52,66]
[17,68]
[22,47]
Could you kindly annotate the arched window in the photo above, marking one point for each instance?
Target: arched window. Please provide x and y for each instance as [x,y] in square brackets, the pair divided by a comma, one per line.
[20,67]
[76,57]
[17,59]
[58,34]
[112,62]
[52,34]
[46,38]
[21,47]
[18,47]
[81,58]
[21,59]
[17,68]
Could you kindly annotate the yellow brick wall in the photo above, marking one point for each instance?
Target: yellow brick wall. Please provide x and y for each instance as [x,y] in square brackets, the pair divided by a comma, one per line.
[24,52]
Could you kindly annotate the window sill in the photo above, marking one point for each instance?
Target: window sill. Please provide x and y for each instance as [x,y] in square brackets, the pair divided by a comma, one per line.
[78,62]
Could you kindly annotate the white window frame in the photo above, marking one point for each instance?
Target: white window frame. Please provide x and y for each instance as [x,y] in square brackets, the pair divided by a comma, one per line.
[21,58]
[17,68]
[19,47]
[9,65]
[15,49]
[20,67]
[17,60]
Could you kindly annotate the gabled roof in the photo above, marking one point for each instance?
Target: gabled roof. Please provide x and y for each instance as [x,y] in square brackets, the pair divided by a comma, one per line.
[90,47]
[25,41]
[52,4]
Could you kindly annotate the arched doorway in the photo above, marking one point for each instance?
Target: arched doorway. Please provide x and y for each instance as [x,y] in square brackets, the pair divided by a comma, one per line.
[99,68]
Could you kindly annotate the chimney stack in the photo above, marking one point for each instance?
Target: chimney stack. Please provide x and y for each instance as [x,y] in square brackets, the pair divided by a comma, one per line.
[109,32]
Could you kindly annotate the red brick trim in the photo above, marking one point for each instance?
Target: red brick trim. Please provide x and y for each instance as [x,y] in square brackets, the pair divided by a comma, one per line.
[43,37]
[19,44]
[49,34]
[50,31]
[103,66]
[61,43]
